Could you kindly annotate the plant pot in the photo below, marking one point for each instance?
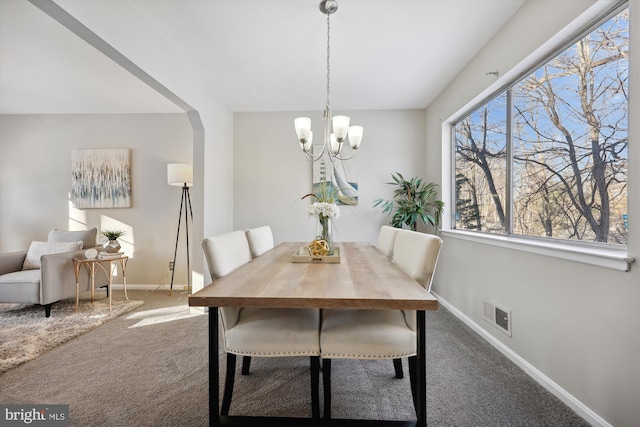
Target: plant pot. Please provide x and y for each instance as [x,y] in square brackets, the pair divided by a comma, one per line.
[111,246]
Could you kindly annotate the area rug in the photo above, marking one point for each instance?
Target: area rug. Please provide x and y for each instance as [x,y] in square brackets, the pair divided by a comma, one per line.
[25,332]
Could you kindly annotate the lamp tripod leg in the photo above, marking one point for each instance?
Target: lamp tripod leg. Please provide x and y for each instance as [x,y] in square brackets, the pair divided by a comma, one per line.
[175,251]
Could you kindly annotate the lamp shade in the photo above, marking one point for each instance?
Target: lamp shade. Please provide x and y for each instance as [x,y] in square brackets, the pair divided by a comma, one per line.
[355,136]
[341,127]
[303,127]
[180,174]
[307,145]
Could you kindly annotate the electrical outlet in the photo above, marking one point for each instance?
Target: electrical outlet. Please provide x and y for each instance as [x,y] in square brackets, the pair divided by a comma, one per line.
[170,265]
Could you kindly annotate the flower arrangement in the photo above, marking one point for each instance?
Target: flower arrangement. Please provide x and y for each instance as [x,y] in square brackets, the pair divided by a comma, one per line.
[325,209]
[325,204]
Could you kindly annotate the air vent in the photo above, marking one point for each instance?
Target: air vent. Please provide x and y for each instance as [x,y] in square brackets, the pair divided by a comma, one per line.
[497,315]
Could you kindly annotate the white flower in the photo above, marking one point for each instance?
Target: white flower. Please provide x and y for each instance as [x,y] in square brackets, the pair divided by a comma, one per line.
[328,210]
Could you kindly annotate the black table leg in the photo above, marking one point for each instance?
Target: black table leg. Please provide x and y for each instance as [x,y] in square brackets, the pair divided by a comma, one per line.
[421,372]
[214,369]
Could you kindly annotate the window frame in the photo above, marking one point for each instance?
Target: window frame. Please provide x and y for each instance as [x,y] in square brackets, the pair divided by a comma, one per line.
[593,253]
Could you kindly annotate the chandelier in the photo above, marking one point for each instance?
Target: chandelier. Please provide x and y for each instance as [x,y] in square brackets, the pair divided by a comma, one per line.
[332,143]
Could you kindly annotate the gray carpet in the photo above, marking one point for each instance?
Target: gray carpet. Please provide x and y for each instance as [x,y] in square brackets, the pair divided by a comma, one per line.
[156,375]
[25,332]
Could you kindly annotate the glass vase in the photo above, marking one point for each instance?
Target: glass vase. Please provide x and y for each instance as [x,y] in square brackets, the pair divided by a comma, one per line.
[324,232]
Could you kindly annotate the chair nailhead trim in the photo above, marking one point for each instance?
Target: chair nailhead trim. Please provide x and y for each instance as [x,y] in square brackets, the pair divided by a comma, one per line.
[365,356]
[287,353]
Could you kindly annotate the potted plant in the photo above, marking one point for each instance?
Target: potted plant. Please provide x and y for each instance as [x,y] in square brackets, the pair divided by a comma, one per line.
[112,245]
[413,201]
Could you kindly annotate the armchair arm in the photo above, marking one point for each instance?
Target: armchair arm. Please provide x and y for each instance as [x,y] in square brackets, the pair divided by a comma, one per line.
[12,262]
[58,278]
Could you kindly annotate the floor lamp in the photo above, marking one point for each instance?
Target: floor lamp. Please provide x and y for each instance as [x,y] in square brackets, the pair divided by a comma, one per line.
[181,175]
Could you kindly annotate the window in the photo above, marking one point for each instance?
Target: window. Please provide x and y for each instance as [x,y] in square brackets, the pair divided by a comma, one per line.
[547,156]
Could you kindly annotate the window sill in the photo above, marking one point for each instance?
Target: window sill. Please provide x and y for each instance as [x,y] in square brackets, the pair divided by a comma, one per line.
[608,258]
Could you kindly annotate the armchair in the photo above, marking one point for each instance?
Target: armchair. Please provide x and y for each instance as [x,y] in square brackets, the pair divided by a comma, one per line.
[55,280]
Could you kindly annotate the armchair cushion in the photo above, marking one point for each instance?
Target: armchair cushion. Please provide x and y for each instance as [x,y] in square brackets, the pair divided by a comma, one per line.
[20,286]
[37,249]
[88,237]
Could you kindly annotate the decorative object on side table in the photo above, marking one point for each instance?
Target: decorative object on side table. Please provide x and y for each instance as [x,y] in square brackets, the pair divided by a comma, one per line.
[325,209]
[112,245]
[91,253]
[413,200]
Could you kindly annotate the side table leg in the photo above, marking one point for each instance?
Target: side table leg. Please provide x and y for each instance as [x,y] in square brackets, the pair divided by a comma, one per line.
[76,269]
[123,265]
[110,282]
[93,280]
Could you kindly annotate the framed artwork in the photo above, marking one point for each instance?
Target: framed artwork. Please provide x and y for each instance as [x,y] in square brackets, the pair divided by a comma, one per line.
[340,175]
[101,178]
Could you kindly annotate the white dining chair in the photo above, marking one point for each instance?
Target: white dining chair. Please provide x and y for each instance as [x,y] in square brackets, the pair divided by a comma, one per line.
[380,334]
[260,240]
[260,332]
[386,239]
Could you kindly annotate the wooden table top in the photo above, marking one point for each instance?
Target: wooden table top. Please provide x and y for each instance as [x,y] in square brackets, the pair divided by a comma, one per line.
[364,279]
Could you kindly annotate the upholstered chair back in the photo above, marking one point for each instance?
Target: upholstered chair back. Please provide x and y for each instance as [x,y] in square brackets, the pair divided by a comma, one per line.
[386,239]
[417,255]
[260,240]
[225,253]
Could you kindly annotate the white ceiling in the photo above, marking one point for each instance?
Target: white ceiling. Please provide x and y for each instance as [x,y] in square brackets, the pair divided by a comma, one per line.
[255,55]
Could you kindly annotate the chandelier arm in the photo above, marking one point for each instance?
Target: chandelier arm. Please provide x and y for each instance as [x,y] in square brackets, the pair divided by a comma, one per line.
[310,156]
[338,157]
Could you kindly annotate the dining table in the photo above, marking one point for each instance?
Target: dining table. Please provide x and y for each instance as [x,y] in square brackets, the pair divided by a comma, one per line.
[363,279]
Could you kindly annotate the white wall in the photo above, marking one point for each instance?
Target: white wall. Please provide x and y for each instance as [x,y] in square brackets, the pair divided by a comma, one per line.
[271,173]
[35,180]
[578,325]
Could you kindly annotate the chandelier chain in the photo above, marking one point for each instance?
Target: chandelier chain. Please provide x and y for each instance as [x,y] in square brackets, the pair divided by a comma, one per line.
[328,58]
[331,144]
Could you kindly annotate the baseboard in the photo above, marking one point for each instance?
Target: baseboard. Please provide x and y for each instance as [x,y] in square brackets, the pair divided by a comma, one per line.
[119,286]
[576,405]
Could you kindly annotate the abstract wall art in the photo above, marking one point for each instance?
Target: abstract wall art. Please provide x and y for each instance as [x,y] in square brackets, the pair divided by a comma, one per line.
[101,178]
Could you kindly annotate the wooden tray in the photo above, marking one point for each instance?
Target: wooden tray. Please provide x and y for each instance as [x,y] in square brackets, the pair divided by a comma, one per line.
[303,255]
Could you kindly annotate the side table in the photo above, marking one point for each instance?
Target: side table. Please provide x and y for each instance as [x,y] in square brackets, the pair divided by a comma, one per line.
[90,264]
